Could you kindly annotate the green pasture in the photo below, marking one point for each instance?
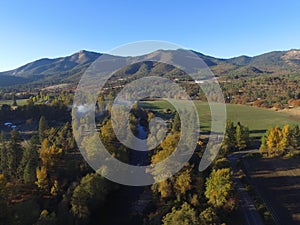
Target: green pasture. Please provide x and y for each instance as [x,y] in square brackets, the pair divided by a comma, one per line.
[20,102]
[257,119]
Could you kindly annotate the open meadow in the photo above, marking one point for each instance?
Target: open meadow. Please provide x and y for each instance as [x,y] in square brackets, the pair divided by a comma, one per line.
[257,119]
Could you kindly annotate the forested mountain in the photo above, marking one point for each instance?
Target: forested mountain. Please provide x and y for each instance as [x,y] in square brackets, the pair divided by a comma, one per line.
[69,69]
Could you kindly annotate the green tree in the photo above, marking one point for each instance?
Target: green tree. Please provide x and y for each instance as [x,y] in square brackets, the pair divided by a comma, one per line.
[219,187]
[185,215]
[14,100]
[229,142]
[176,123]
[3,155]
[295,136]
[89,194]
[43,125]
[263,147]
[28,164]
[221,163]
[14,154]
[242,136]
[3,205]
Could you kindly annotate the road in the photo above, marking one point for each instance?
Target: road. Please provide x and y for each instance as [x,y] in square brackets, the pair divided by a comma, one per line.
[252,217]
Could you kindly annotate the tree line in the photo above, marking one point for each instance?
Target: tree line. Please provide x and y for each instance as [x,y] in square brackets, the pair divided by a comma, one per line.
[278,142]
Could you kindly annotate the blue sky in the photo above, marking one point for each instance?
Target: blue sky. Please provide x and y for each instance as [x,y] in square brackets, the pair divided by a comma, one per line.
[35,29]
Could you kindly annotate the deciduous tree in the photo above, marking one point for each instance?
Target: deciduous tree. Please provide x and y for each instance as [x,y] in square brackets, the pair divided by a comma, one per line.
[42,178]
[185,215]
[219,187]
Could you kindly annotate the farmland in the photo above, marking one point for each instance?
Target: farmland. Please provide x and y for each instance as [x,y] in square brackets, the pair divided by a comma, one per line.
[257,119]
[20,102]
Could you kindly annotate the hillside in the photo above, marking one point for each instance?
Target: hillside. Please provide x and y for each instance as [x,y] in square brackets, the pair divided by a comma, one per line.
[69,69]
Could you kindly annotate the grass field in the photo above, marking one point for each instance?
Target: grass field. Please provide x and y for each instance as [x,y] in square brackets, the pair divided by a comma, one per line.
[257,119]
[9,102]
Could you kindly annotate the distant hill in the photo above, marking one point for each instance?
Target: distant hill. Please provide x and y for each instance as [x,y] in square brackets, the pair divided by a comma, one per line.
[50,70]
[69,69]
[54,66]
[273,62]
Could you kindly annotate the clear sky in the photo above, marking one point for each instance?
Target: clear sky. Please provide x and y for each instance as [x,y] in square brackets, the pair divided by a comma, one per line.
[35,29]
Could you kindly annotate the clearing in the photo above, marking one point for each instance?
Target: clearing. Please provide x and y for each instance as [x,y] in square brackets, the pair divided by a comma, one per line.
[257,119]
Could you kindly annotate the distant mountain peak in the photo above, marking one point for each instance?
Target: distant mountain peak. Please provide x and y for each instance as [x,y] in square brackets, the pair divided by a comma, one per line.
[70,68]
[292,57]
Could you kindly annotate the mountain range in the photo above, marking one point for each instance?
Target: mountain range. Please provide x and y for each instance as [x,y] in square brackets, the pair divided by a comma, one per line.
[70,68]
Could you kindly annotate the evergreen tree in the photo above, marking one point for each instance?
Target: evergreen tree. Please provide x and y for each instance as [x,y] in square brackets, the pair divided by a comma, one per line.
[90,193]
[14,100]
[242,136]
[229,142]
[42,128]
[14,154]
[29,175]
[295,137]
[263,147]
[29,162]
[176,123]
[4,212]
[3,155]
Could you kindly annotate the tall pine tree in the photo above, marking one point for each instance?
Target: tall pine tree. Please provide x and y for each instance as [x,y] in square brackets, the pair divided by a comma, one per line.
[42,128]
[3,155]
[242,136]
[29,163]
[176,124]
[14,154]
[229,141]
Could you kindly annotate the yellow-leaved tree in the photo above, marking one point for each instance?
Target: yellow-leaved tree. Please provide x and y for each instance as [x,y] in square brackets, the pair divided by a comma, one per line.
[286,137]
[42,178]
[273,142]
[49,154]
[219,187]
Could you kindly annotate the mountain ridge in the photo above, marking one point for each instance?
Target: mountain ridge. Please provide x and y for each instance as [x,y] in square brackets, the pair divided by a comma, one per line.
[73,66]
